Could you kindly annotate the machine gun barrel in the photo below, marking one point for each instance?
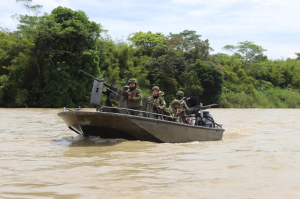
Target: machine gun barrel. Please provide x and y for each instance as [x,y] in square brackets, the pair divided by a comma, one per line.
[195,109]
[95,78]
[207,106]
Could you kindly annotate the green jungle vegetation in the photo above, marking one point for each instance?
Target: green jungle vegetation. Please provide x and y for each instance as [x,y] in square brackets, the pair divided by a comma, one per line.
[40,62]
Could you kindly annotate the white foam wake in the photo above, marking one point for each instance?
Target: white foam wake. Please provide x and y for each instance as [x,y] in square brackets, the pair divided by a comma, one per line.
[69,140]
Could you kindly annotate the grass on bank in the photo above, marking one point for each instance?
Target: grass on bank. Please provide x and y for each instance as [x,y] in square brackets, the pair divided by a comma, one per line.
[272,98]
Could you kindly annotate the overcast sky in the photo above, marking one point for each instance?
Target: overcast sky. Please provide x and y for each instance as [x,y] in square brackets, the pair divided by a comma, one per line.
[272,24]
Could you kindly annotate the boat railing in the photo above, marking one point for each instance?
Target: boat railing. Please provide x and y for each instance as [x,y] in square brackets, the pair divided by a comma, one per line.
[128,111]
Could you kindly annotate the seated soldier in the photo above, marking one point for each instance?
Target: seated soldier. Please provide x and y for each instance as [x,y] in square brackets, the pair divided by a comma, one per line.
[182,106]
[175,111]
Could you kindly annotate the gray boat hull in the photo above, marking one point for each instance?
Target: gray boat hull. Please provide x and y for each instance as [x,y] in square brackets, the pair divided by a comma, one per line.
[115,125]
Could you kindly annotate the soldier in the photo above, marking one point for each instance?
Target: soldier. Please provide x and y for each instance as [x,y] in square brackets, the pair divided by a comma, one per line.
[135,95]
[108,101]
[182,106]
[158,101]
[175,111]
[123,100]
[126,88]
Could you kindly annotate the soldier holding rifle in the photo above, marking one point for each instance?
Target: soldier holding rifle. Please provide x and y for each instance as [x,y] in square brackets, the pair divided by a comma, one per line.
[135,96]
[158,101]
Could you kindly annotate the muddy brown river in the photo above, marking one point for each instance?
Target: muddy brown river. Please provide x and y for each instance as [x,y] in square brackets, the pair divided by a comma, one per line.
[259,157]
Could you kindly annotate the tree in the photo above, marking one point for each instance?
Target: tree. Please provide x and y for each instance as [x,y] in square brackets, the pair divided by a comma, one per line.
[246,51]
[45,73]
[148,40]
[189,35]
[211,81]
[30,8]
[190,45]
[66,43]
[233,73]
[183,41]
[28,22]
[113,75]
[191,85]
[298,56]
[14,69]
[165,71]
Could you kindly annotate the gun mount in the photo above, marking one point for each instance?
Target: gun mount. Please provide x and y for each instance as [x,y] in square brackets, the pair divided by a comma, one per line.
[112,92]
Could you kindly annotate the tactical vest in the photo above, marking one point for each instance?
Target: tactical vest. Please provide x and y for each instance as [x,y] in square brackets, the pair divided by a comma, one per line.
[183,104]
[136,104]
[157,101]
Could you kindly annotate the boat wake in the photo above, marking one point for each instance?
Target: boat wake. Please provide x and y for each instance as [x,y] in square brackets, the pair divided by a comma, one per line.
[98,140]
[67,141]
[70,140]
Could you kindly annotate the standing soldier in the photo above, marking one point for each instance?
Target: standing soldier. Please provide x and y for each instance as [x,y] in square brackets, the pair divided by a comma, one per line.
[175,111]
[158,101]
[135,95]
[182,106]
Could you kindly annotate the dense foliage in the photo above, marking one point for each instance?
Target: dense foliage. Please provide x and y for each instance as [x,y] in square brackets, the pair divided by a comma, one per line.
[39,65]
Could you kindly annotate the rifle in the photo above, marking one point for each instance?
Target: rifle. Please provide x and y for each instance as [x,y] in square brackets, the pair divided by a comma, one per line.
[155,108]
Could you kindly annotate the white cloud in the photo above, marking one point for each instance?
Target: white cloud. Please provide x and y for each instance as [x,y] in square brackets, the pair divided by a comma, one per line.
[199,13]
[273,24]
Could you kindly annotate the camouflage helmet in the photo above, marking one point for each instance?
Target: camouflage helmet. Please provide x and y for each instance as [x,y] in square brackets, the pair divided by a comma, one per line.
[155,88]
[125,87]
[176,102]
[132,80]
[180,93]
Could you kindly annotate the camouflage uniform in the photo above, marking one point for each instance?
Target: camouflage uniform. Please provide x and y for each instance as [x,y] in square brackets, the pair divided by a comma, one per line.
[174,112]
[136,99]
[183,106]
[158,101]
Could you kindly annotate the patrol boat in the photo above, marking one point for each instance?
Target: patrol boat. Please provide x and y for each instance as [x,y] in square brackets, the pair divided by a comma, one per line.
[111,122]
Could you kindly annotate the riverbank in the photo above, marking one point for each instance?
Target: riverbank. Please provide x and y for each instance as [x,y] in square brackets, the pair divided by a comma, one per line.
[272,98]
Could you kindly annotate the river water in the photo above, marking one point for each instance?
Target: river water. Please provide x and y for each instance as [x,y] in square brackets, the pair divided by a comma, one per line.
[259,157]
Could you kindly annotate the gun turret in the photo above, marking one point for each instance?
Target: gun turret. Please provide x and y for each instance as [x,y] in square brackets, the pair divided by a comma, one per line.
[201,118]
[196,109]
[112,92]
